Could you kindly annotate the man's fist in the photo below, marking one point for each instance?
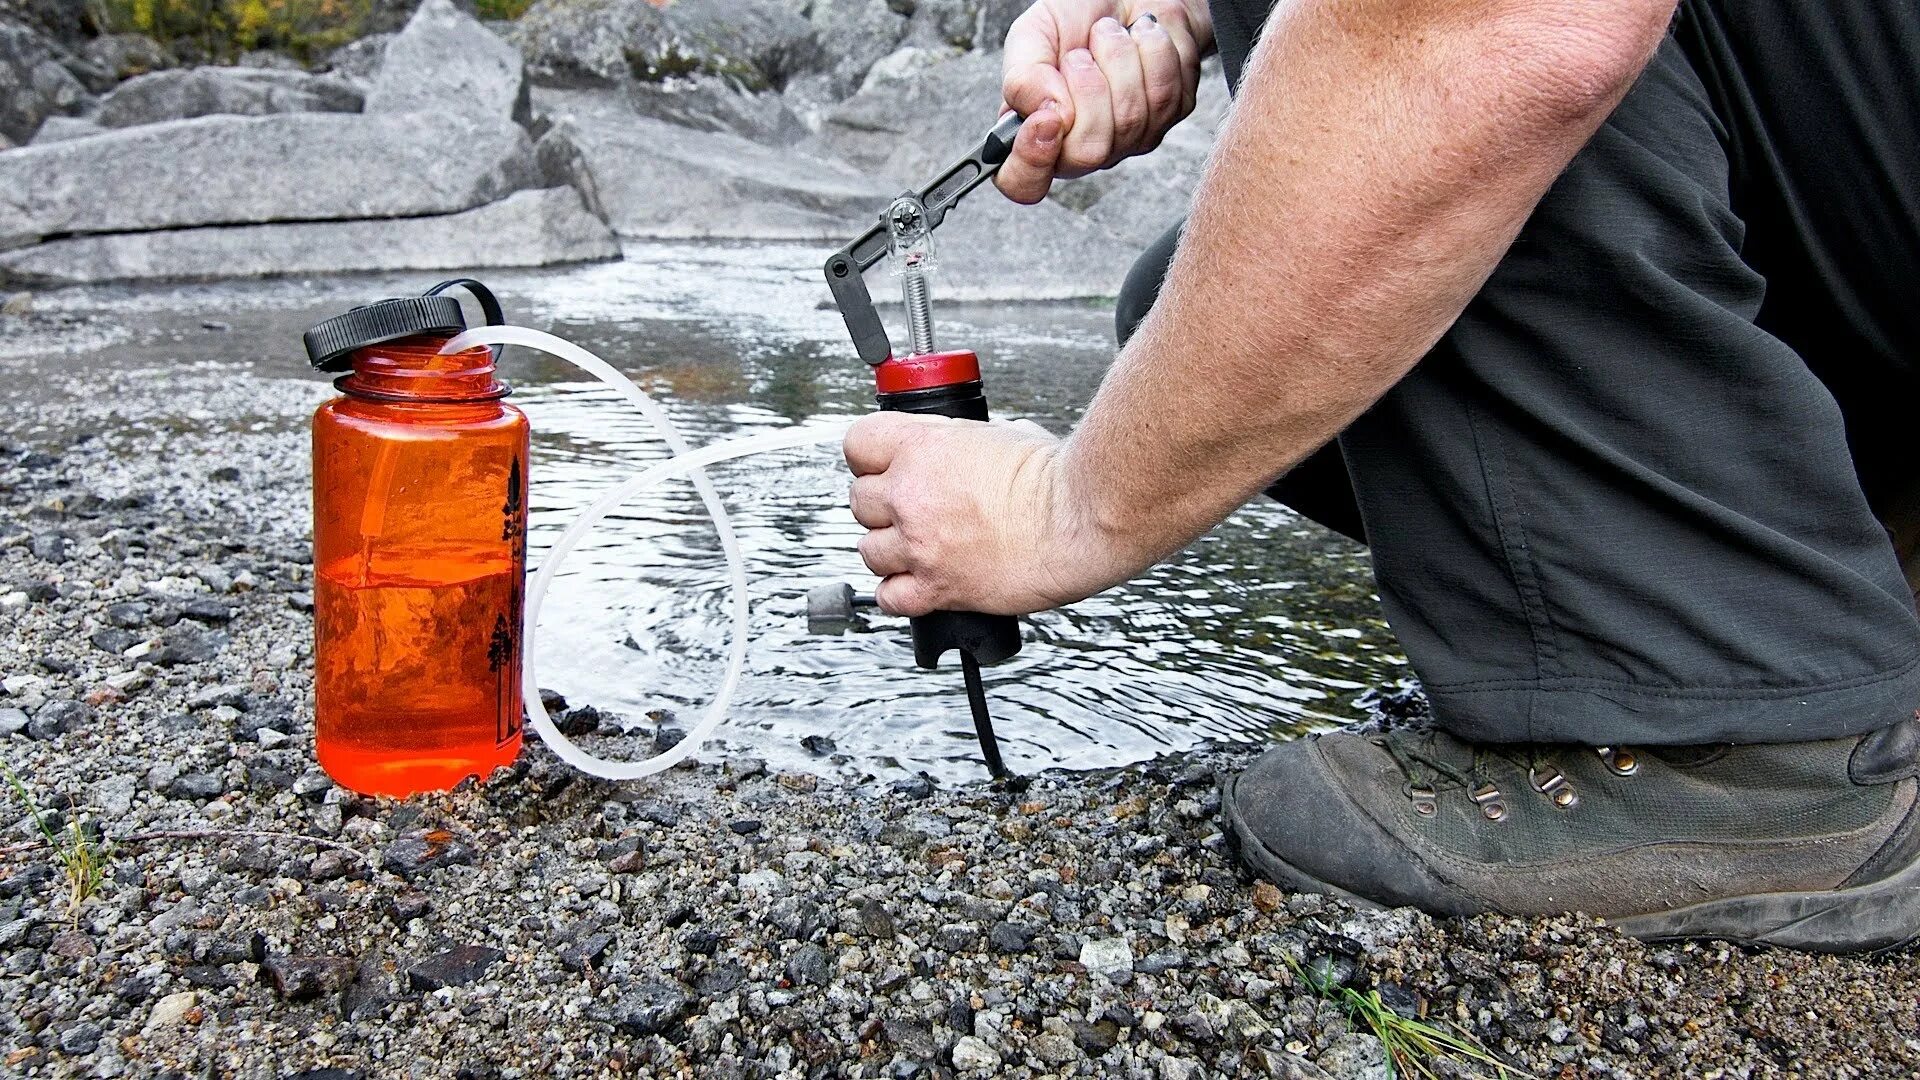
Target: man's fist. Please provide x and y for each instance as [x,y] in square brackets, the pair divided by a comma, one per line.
[966,516]
[1098,81]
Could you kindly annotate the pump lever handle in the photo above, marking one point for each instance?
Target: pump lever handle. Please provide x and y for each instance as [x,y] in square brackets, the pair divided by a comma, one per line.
[938,195]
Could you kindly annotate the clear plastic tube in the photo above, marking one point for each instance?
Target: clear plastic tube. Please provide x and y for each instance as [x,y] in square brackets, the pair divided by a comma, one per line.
[686,462]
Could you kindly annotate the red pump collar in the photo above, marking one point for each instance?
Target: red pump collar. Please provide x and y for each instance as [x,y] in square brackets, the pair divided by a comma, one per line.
[929,371]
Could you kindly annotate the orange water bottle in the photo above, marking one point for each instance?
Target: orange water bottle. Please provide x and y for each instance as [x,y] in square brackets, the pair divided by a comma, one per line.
[419,550]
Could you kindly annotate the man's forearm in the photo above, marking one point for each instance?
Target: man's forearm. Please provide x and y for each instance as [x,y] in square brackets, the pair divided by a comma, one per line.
[1380,159]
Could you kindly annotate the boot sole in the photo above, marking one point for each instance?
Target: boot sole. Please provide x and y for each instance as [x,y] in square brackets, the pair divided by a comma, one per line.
[1880,916]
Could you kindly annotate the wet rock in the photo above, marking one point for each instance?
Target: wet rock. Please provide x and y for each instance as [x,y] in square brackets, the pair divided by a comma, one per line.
[419,852]
[809,966]
[913,787]
[457,966]
[818,745]
[206,91]
[198,786]
[304,978]
[651,1008]
[444,60]
[58,717]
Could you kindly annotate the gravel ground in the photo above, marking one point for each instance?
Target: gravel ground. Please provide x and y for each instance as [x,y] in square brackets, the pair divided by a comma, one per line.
[256,921]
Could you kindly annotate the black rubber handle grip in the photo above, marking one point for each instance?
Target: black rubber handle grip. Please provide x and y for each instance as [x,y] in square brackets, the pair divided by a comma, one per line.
[989,639]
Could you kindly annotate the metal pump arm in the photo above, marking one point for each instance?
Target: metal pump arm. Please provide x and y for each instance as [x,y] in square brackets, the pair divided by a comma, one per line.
[939,195]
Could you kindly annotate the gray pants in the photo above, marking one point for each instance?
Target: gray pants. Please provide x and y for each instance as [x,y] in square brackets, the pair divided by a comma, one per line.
[1649,487]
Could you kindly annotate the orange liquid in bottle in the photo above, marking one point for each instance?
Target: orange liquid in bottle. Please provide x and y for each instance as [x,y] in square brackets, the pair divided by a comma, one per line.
[420,557]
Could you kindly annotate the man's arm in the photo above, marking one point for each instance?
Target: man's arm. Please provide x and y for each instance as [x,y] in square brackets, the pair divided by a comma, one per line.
[1381,157]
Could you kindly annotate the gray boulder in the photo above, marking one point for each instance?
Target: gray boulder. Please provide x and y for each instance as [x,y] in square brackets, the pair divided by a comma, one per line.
[445,60]
[207,91]
[34,83]
[359,61]
[918,111]
[61,128]
[755,44]
[857,33]
[704,102]
[529,228]
[123,56]
[650,178]
[67,22]
[227,170]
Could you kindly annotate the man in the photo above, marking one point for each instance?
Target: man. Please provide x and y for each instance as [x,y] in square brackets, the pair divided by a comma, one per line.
[1604,310]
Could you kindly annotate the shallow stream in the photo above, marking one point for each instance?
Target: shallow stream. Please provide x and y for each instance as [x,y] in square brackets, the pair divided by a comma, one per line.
[1268,626]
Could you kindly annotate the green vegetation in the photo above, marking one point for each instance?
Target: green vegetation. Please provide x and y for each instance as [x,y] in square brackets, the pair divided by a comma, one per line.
[502,9]
[1412,1045]
[223,29]
[220,30]
[79,856]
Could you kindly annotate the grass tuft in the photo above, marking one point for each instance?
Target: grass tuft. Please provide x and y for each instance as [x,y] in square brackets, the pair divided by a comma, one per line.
[79,856]
[1412,1045]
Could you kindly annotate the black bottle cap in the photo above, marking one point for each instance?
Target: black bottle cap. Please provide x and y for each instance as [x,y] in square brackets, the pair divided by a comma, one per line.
[331,343]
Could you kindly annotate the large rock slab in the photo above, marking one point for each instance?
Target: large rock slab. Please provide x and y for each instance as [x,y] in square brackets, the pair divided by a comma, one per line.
[649,178]
[445,60]
[756,44]
[530,228]
[183,94]
[230,170]
[34,83]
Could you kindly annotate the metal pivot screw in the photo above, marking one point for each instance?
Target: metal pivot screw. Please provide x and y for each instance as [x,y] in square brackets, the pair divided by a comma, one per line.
[910,251]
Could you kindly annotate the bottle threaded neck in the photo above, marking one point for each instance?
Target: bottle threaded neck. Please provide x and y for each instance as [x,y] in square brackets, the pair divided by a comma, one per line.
[414,369]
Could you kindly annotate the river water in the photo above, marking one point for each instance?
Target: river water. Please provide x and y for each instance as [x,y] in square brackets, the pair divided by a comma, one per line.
[1266,627]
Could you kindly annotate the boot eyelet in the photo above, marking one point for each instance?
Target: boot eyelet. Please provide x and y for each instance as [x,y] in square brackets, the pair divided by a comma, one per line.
[1425,803]
[1490,802]
[1619,761]
[1554,786]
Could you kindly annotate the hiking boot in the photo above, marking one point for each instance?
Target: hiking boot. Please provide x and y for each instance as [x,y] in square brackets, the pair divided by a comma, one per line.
[1810,845]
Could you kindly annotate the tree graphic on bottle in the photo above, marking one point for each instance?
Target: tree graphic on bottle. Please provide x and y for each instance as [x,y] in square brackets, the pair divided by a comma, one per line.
[503,653]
